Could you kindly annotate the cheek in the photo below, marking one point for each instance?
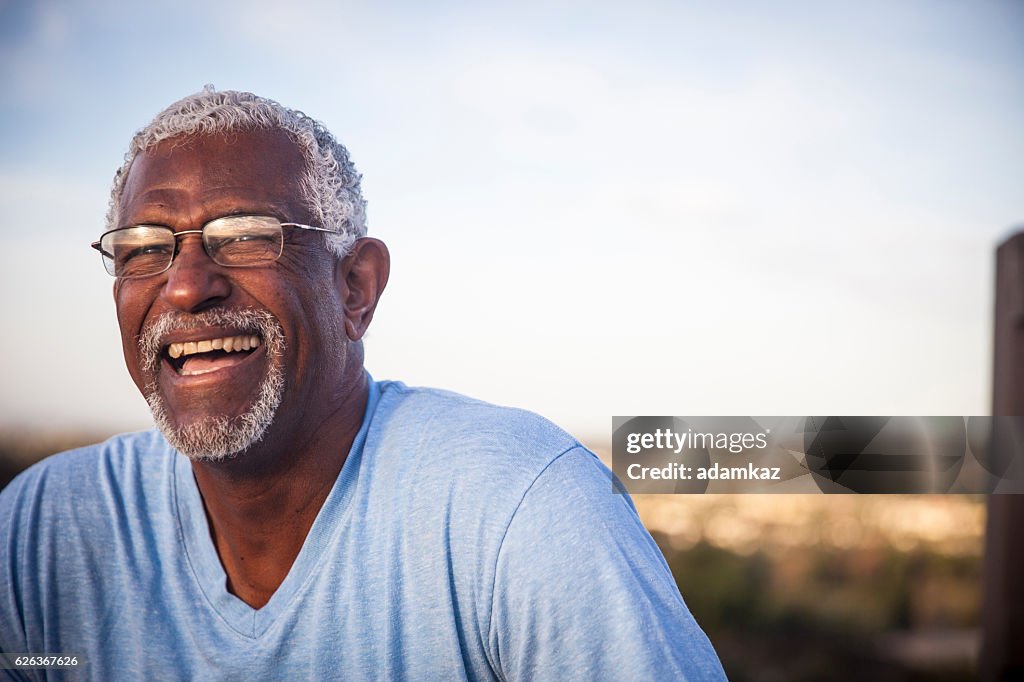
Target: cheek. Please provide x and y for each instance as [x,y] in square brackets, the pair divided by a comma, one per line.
[330,314]
[130,306]
[128,316]
[320,342]
[317,303]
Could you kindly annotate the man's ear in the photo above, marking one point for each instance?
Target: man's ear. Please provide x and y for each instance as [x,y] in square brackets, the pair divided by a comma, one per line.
[361,277]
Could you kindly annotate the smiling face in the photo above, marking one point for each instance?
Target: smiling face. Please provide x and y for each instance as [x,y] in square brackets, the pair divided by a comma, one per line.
[227,355]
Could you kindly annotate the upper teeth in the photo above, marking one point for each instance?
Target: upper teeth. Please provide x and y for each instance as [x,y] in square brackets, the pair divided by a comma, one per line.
[227,343]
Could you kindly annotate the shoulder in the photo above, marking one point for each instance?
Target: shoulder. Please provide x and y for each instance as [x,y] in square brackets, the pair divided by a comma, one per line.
[67,525]
[452,430]
[86,481]
[463,467]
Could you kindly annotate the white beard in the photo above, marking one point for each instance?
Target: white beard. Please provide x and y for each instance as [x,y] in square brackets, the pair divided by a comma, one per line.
[216,438]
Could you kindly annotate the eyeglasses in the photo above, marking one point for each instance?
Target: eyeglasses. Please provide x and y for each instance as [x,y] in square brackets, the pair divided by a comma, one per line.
[235,241]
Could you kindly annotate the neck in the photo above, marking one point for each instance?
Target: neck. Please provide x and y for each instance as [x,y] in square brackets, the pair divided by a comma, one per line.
[261,504]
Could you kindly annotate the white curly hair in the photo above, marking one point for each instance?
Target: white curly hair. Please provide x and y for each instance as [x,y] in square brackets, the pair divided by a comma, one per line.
[331,185]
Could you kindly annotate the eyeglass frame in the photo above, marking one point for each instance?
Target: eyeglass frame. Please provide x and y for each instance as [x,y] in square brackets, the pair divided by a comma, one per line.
[98,244]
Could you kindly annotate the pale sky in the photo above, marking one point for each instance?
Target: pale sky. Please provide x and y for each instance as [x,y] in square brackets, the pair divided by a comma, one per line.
[592,208]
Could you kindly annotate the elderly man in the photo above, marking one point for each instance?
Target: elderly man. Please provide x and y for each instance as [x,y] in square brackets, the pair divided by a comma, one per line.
[292,518]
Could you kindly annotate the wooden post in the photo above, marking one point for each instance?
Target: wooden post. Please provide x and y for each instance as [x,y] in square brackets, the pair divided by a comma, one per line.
[1002,650]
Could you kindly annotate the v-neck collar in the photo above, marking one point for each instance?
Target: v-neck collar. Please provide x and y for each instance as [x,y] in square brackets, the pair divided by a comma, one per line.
[201,554]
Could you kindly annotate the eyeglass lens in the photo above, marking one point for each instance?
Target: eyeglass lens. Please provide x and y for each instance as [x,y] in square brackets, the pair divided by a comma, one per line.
[235,241]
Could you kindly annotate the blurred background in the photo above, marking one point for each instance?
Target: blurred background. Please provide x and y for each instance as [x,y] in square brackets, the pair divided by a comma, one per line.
[597,208]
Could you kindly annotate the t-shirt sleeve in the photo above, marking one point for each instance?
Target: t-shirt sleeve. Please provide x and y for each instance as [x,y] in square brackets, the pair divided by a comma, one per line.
[582,591]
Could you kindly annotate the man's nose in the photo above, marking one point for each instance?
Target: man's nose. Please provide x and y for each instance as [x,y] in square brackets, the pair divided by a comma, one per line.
[194,282]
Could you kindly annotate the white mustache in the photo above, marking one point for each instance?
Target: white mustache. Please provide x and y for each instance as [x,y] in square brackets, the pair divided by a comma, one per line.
[245,320]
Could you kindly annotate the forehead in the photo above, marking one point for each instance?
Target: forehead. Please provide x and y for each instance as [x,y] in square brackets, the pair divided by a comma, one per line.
[240,170]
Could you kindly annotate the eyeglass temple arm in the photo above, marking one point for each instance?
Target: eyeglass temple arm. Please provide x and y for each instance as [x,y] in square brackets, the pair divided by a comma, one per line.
[310,227]
[98,247]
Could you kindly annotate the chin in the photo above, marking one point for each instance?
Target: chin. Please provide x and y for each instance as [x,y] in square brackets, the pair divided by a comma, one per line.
[218,438]
[210,440]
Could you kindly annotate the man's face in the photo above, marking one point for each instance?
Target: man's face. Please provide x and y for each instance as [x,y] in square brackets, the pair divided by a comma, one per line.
[217,403]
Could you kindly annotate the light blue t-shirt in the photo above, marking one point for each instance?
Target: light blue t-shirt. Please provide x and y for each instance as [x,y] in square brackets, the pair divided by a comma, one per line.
[460,541]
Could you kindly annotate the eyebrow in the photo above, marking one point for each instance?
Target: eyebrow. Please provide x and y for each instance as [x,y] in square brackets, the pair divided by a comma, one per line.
[160,213]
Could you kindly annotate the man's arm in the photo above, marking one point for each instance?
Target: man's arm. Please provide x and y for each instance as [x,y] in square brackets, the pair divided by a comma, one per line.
[582,591]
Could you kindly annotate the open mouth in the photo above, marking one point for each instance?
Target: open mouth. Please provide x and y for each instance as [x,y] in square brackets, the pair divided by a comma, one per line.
[192,358]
